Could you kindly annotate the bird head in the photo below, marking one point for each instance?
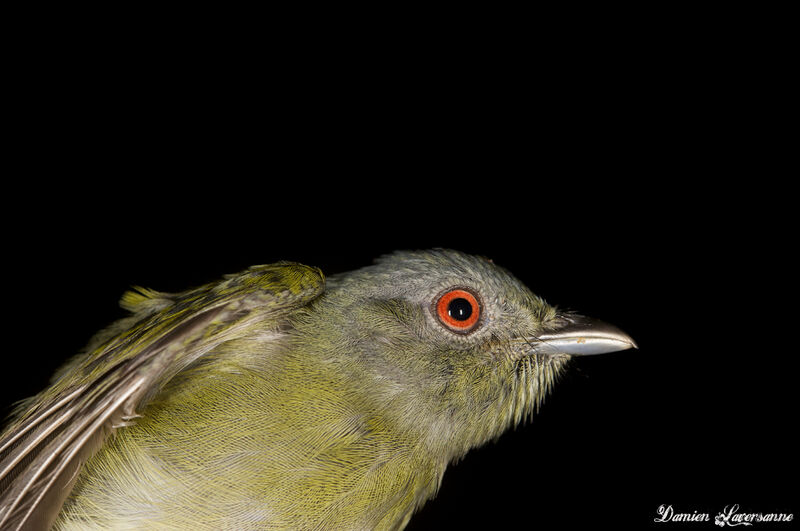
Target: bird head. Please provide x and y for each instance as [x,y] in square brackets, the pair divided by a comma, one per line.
[450,346]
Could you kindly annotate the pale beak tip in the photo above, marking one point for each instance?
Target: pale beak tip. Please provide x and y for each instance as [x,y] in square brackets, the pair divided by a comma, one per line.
[579,336]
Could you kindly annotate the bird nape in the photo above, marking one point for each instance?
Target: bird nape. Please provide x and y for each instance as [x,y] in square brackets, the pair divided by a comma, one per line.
[275,398]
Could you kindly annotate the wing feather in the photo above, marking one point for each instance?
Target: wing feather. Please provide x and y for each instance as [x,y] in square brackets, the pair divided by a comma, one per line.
[43,450]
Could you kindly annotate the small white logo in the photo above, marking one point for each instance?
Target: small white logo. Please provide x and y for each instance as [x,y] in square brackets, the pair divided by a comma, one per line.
[730,516]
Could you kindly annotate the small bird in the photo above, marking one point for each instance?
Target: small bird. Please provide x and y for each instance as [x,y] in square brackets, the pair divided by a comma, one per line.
[277,399]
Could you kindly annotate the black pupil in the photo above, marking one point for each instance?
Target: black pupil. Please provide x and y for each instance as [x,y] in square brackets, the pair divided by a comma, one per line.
[459,309]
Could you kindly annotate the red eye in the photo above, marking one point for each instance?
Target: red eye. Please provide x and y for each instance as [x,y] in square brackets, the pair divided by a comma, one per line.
[458,310]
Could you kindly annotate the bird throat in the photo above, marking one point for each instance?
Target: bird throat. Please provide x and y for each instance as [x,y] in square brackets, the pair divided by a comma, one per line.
[533,377]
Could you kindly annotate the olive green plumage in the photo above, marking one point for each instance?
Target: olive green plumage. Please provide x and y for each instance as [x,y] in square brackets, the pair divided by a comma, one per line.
[276,400]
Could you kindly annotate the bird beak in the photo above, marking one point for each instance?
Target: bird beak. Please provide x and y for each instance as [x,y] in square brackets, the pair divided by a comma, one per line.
[581,336]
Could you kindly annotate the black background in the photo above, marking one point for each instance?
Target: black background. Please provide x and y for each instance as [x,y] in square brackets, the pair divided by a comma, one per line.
[633,179]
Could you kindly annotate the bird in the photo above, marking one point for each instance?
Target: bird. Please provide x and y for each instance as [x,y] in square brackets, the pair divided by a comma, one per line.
[277,398]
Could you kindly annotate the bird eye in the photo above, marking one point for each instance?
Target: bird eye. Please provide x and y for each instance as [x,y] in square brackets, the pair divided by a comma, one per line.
[458,310]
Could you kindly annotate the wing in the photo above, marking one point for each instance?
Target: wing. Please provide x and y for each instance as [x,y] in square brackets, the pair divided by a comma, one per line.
[43,450]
